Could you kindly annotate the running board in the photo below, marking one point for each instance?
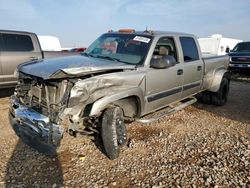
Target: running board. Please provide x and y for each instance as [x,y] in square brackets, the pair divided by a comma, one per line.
[169,111]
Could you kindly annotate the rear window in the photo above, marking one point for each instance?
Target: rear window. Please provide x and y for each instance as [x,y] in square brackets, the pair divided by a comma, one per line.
[15,42]
[189,49]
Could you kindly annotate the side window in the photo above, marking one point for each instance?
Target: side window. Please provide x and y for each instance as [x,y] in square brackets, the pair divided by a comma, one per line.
[165,46]
[15,42]
[189,49]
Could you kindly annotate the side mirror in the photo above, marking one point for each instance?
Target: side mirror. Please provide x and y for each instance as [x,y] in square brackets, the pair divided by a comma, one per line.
[162,62]
[227,50]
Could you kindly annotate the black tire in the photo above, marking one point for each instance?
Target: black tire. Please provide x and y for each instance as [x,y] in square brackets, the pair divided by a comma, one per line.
[113,131]
[206,97]
[220,98]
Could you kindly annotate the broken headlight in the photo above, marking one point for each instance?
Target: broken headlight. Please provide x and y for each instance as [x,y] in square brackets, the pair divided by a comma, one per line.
[77,95]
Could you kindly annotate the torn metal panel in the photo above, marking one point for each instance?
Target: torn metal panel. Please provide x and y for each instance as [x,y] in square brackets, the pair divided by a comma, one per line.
[89,90]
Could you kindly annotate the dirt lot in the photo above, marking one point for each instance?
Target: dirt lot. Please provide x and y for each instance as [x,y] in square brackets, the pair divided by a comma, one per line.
[202,145]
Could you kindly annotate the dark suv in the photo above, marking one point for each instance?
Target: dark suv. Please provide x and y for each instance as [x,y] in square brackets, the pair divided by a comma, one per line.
[240,58]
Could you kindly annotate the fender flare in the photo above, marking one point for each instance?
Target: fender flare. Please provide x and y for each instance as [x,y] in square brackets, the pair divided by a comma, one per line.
[101,104]
[215,86]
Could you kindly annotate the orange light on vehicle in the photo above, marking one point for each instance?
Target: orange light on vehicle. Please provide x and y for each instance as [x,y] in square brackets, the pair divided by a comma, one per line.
[126,30]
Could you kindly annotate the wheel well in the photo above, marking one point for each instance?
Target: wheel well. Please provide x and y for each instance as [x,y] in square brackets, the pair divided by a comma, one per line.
[218,77]
[130,106]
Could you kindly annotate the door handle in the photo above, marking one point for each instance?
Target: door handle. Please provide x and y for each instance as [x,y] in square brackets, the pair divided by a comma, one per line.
[179,71]
[199,68]
[33,58]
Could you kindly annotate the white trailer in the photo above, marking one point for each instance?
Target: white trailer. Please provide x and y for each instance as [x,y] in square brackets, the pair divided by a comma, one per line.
[49,43]
[216,44]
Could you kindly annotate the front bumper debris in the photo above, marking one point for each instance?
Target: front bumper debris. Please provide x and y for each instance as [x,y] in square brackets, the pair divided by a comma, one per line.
[33,128]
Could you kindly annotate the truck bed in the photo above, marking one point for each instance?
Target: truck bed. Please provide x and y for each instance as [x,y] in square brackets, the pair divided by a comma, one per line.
[213,63]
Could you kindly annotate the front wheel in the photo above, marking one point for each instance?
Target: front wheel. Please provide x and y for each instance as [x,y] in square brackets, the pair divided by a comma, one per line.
[219,98]
[113,131]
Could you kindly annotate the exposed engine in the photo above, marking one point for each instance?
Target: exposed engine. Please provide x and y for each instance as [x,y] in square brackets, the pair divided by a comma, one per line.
[49,98]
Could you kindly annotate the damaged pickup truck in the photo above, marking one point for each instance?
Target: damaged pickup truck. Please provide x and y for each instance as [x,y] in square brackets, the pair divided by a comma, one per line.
[123,75]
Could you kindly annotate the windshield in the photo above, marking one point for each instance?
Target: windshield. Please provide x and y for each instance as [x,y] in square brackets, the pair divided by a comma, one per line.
[126,48]
[242,47]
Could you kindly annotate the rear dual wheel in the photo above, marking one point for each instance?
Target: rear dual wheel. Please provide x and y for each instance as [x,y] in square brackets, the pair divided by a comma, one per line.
[113,131]
[218,98]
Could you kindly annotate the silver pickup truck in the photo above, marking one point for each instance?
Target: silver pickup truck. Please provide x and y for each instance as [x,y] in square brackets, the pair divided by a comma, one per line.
[123,76]
[17,47]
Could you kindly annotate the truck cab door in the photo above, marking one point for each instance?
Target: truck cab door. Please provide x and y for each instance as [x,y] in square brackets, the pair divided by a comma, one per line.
[193,67]
[18,48]
[163,85]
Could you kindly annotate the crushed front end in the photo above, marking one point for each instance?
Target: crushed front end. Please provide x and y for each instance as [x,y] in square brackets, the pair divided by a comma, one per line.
[36,111]
[41,109]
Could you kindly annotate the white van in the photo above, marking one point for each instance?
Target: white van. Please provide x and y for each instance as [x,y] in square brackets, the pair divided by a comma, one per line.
[216,44]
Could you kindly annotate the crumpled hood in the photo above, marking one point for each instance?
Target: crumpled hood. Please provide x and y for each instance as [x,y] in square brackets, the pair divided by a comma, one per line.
[70,66]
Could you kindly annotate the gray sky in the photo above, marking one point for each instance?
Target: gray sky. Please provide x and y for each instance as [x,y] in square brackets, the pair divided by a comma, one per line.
[79,22]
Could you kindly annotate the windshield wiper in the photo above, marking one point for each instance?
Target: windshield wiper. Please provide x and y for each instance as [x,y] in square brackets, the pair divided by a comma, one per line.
[109,58]
[105,57]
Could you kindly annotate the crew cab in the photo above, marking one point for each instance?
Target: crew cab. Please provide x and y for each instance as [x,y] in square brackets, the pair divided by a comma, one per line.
[240,58]
[123,76]
[17,47]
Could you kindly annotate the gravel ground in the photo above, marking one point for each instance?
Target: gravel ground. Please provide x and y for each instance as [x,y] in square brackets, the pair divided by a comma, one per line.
[200,146]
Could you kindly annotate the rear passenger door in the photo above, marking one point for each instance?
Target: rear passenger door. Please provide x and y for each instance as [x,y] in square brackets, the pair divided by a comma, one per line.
[17,48]
[193,66]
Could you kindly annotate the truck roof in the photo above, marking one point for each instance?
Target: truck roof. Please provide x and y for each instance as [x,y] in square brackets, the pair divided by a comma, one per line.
[154,33]
[14,31]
